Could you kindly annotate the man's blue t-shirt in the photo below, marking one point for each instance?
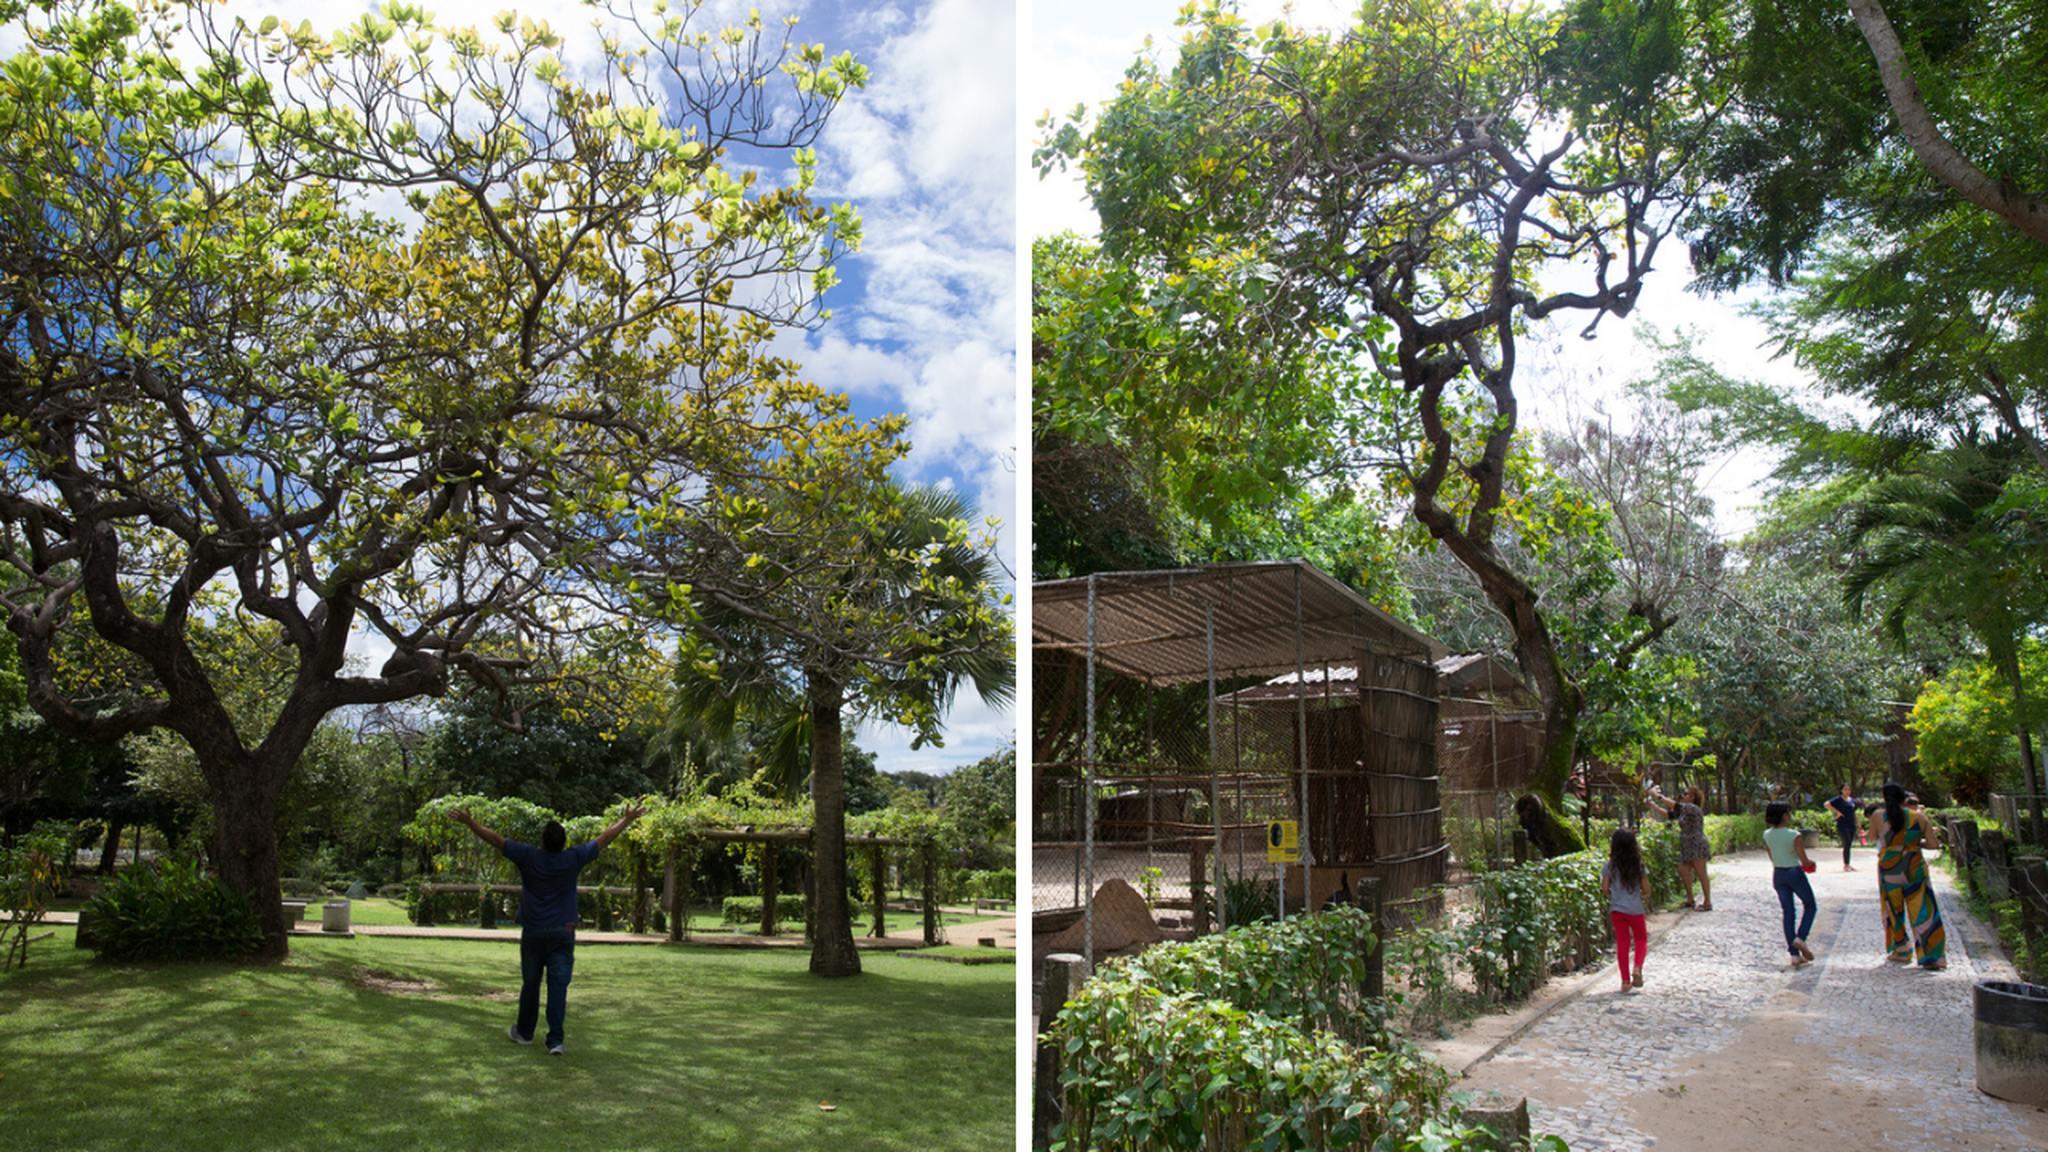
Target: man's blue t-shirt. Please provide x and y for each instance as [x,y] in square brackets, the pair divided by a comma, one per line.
[547,897]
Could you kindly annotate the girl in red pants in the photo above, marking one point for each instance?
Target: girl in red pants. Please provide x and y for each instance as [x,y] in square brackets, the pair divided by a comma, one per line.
[1627,888]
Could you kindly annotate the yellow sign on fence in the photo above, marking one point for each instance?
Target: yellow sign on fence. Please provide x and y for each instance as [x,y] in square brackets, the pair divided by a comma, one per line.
[1283,842]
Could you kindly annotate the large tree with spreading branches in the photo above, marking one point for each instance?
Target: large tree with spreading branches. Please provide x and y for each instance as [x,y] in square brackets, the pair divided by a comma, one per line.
[397,332]
[1412,196]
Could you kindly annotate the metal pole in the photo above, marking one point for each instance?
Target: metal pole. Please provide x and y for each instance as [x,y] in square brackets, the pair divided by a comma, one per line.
[1215,812]
[1088,797]
[1308,855]
[1237,778]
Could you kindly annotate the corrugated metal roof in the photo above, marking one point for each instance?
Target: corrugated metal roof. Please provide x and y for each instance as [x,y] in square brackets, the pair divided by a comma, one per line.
[1151,625]
[1459,674]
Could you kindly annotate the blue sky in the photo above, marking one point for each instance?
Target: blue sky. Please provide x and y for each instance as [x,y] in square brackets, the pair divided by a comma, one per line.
[924,321]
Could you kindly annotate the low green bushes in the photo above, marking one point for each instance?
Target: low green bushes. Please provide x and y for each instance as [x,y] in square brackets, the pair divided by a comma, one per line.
[1736,833]
[171,910]
[747,909]
[1526,922]
[994,884]
[1255,1037]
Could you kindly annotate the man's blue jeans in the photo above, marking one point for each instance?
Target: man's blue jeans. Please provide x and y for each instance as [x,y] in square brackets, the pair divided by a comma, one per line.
[552,950]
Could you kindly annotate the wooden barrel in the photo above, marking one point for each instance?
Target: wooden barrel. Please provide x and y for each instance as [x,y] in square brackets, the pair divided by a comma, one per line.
[2012,1041]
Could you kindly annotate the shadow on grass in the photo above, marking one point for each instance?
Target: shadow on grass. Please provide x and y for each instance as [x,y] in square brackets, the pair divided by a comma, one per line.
[668,1048]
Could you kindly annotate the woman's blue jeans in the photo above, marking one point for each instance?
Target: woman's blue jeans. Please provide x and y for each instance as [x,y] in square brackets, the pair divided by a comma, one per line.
[1792,882]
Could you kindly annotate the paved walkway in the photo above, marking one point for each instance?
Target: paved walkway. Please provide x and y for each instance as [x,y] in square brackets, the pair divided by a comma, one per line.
[1727,1048]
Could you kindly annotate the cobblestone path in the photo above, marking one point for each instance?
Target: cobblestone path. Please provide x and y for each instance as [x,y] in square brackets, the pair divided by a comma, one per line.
[1727,1048]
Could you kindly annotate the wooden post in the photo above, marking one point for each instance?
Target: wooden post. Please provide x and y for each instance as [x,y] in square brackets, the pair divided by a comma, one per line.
[768,892]
[425,916]
[1997,884]
[1062,976]
[639,891]
[880,890]
[931,894]
[1197,891]
[487,906]
[672,895]
[1368,896]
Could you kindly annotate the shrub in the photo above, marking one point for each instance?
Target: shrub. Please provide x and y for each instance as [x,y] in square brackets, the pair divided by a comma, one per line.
[1247,899]
[30,871]
[171,910]
[1258,1035]
[1309,969]
[747,909]
[995,884]
[1736,833]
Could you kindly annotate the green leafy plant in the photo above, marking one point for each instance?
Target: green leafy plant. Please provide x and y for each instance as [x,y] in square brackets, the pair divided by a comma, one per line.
[1247,899]
[747,909]
[1148,884]
[30,871]
[172,910]
[1258,1036]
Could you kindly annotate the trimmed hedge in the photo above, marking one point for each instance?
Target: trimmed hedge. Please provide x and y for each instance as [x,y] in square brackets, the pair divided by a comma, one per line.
[747,909]
[1255,1037]
[997,884]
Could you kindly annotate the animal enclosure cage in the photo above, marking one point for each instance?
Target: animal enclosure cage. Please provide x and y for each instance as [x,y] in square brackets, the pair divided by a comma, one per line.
[1489,743]
[1163,745]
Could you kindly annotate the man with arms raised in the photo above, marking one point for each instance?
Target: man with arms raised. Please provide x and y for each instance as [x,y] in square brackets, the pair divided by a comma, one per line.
[547,913]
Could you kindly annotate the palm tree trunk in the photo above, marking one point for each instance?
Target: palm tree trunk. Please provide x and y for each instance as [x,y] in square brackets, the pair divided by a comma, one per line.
[832,950]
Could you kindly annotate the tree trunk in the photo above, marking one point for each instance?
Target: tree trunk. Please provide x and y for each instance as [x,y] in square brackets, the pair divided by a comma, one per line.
[109,848]
[2008,659]
[245,845]
[832,951]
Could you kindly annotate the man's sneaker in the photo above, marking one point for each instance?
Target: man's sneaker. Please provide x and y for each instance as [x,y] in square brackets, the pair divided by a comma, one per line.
[555,1049]
[513,1032]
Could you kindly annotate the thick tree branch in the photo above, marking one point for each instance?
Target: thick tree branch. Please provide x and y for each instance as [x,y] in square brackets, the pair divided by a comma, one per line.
[2026,212]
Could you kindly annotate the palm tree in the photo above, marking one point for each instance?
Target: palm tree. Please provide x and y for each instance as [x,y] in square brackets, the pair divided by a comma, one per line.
[1952,538]
[891,625]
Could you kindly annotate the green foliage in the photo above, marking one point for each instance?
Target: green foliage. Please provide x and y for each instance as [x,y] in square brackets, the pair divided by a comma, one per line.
[171,910]
[1255,1035]
[565,759]
[1425,960]
[742,910]
[393,402]
[1963,725]
[31,869]
[996,884]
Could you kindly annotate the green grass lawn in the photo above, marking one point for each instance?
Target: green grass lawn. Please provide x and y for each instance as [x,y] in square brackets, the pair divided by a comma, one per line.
[668,1048]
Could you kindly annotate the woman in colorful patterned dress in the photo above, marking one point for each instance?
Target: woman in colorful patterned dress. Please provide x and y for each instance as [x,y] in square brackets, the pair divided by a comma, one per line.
[1693,849]
[1912,920]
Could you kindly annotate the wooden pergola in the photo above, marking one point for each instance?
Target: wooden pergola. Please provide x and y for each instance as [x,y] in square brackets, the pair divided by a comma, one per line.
[771,841]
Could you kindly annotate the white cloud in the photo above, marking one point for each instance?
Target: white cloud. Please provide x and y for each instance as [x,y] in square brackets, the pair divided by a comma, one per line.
[973,730]
[928,154]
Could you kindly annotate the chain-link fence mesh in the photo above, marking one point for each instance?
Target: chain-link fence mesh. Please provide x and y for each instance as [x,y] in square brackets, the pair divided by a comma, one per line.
[1194,755]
